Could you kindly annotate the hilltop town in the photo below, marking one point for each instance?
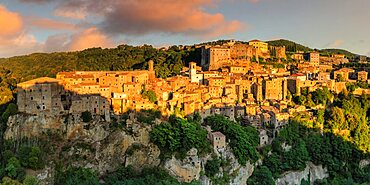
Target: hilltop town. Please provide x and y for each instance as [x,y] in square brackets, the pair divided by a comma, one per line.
[229,81]
[250,83]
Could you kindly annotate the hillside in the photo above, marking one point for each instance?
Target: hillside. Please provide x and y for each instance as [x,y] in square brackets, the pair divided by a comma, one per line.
[338,51]
[124,57]
[289,45]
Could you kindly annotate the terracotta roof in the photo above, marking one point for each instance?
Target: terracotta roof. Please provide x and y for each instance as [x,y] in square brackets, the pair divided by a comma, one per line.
[40,81]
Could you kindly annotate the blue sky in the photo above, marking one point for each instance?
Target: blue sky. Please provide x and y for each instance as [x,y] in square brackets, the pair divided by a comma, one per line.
[64,25]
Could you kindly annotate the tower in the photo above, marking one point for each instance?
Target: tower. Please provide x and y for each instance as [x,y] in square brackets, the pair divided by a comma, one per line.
[194,77]
[151,65]
[193,68]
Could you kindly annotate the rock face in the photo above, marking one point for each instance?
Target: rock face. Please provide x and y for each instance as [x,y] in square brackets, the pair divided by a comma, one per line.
[186,170]
[311,173]
[239,173]
[364,163]
[91,145]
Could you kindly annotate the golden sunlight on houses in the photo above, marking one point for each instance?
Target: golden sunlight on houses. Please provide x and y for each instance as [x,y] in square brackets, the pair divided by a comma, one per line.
[227,83]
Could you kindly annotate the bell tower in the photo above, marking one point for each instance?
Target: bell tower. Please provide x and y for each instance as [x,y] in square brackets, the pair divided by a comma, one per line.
[151,65]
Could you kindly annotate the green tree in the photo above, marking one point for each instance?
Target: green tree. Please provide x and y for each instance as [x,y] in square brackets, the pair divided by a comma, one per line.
[337,120]
[74,176]
[86,116]
[9,181]
[30,180]
[11,109]
[212,167]
[261,176]
[150,95]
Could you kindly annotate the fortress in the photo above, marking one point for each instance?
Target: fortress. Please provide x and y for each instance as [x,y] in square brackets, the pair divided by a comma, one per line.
[232,53]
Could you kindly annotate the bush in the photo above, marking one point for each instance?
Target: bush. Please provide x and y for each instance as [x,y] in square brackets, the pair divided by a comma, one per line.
[178,136]
[212,167]
[243,140]
[86,116]
[74,176]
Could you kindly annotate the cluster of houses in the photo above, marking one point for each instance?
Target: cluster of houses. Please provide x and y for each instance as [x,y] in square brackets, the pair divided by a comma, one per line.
[227,83]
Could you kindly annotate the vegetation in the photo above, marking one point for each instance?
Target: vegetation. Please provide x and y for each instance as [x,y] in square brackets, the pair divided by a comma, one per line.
[149,95]
[128,176]
[329,52]
[178,136]
[148,116]
[212,166]
[86,116]
[243,140]
[290,46]
[261,176]
[77,176]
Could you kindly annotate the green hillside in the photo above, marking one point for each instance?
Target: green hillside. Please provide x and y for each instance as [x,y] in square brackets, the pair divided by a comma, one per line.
[338,51]
[289,45]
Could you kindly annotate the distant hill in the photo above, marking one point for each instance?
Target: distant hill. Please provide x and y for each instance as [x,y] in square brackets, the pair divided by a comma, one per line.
[289,45]
[293,47]
[338,51]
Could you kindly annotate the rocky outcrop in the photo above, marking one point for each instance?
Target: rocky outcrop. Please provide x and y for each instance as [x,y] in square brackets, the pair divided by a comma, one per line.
[239,174]
[311,173]
[186,170]
[364,162]
[91,145]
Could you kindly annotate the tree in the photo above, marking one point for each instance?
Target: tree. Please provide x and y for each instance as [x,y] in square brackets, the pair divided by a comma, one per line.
[243,140]
[261,176]
[339,78]
[77,176]
[13,168]
[9,181]
[178,136]
[11,109]
[30,180]
[212,167]
[150,95]
[86,116]
[338,120]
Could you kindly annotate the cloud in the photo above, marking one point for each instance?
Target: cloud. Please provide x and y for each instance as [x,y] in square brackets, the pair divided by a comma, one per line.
[19,45]
[13,39]
[167,16]
[46,23]
[336,43]
[10,22]
[36,1]
[254,1]
[90,37]
[141,17]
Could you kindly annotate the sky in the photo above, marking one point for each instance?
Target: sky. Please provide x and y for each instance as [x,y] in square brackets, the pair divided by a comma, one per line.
[28,26]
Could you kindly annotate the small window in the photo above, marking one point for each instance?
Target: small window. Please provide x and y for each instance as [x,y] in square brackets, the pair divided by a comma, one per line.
[31,98]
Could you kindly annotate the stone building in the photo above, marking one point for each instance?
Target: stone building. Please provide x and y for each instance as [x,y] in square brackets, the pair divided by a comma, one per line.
[261,47]
[313,58]
[362,76]
[194,77]
[344,73]
[41,95]
[275,88]
[218,141]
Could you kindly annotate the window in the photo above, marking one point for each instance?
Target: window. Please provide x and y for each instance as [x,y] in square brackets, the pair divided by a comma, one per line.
[31,98]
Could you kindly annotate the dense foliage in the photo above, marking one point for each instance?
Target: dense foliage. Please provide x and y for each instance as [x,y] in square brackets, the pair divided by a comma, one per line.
[128,176]
[329,52]
[290,46]
[74,176]
[178,136]
[243,140]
